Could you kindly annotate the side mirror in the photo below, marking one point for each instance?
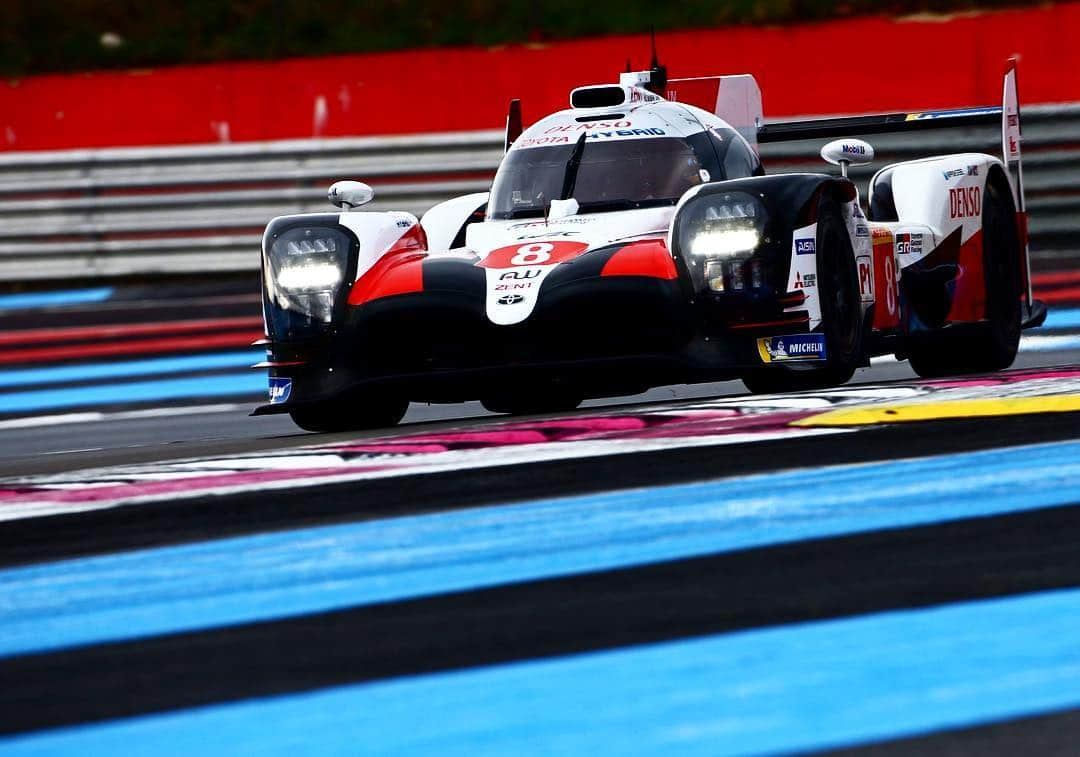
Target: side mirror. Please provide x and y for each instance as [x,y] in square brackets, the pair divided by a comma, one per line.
[847,152]
[349,195]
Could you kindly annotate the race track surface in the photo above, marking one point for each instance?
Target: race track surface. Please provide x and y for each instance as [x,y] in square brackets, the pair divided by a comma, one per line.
[889,567]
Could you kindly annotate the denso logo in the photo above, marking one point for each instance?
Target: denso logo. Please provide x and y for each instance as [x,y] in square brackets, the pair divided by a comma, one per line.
[853,149]
[589,126]
[965,202]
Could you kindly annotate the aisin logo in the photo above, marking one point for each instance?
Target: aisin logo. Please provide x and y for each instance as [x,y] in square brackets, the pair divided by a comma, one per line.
[510,299]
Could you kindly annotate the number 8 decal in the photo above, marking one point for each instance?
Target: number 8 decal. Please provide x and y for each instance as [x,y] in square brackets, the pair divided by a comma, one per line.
[890,284]
[537,253]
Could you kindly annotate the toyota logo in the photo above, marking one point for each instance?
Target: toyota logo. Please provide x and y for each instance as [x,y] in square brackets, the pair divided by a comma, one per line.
[510,299]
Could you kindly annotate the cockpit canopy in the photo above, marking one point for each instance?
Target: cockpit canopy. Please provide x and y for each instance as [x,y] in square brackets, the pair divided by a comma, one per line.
[616,173]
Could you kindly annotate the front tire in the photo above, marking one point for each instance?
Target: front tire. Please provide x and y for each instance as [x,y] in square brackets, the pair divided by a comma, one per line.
[990,345]
[354,413]
[841,315]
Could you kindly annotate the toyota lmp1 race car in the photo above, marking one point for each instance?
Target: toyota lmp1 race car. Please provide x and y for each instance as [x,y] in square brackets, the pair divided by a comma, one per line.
[635,240]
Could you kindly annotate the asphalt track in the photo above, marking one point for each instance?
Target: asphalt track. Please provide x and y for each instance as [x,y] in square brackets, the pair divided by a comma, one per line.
[690,571]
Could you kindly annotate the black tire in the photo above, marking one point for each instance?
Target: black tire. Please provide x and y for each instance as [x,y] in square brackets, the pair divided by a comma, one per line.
[990,345]
[841,315]
[351,414]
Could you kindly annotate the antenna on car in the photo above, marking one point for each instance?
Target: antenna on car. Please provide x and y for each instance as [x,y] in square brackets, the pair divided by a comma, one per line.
[657,73]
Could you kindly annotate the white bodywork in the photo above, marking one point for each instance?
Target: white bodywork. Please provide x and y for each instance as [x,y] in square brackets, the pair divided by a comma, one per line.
[377,233]
[936,196]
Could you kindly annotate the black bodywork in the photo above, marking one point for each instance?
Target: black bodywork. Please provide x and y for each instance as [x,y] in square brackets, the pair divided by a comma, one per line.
[604,335]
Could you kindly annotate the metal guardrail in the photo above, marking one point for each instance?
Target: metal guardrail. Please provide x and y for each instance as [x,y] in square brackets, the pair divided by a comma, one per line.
[169,210]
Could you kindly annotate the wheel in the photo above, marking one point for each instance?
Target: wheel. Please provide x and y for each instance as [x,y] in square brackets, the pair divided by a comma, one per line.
[990,345]
[350,414]
[841,315]
[534,402]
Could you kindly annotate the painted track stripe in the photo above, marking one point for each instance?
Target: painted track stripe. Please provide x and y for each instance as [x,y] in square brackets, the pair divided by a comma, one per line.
[927,411]
[133,368]
[269,576]
[246,382]
[50,299]
[116,331]
[134,347]
[93,416]
[788,688]
[1062,318]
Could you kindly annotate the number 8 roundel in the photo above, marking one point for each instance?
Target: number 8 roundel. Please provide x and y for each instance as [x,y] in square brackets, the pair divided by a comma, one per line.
[533,254]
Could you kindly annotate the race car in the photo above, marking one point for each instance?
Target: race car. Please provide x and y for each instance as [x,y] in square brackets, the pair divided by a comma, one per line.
[635,240]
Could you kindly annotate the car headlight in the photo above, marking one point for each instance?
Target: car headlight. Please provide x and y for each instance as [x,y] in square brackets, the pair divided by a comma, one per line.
[719,234]
[305,271]
[723,225]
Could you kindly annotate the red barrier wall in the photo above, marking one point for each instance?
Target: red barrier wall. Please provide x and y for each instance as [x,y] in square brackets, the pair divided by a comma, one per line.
[858,65]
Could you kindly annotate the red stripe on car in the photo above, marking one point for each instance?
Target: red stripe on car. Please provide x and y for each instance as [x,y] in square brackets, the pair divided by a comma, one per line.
[646,258]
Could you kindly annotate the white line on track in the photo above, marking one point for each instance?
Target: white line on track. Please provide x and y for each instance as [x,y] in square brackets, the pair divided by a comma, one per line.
[127,415]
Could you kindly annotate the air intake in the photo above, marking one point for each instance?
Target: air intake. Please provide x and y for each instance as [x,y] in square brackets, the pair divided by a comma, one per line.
[604,96]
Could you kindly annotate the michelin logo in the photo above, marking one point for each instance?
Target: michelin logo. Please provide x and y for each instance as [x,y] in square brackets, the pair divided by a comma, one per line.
[280,389]
[779,349]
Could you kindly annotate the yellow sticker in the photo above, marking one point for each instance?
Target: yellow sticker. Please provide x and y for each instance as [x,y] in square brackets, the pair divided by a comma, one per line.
[932,411]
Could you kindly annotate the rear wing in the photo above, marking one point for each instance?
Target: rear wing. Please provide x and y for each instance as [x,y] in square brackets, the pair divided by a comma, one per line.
[1006,116]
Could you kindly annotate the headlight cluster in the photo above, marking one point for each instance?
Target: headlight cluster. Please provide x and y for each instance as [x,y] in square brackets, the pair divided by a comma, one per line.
[721,232]
[305,270]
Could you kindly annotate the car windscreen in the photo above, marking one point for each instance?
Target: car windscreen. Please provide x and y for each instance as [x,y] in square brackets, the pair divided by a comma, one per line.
[615,175]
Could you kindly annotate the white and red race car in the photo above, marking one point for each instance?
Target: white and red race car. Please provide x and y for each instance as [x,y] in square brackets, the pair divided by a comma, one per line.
[635,240]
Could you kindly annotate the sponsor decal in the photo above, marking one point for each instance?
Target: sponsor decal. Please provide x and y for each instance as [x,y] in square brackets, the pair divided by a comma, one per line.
[547,235]
[556,222]
[965,202]
[627,133]
[527,273]
[909,244]
[862,231]
[853,149]
[599,125]
[403,224]
[1014,120]
[805,246]
[805,281]
[791,347]
[537,141]
[954,173]
[972,170]
[280,389]
[510,299]
[866,276]
[882,235]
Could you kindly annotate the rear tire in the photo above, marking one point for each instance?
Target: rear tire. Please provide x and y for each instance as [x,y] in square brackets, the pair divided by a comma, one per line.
[841,315]
[350,414]
[990,345]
